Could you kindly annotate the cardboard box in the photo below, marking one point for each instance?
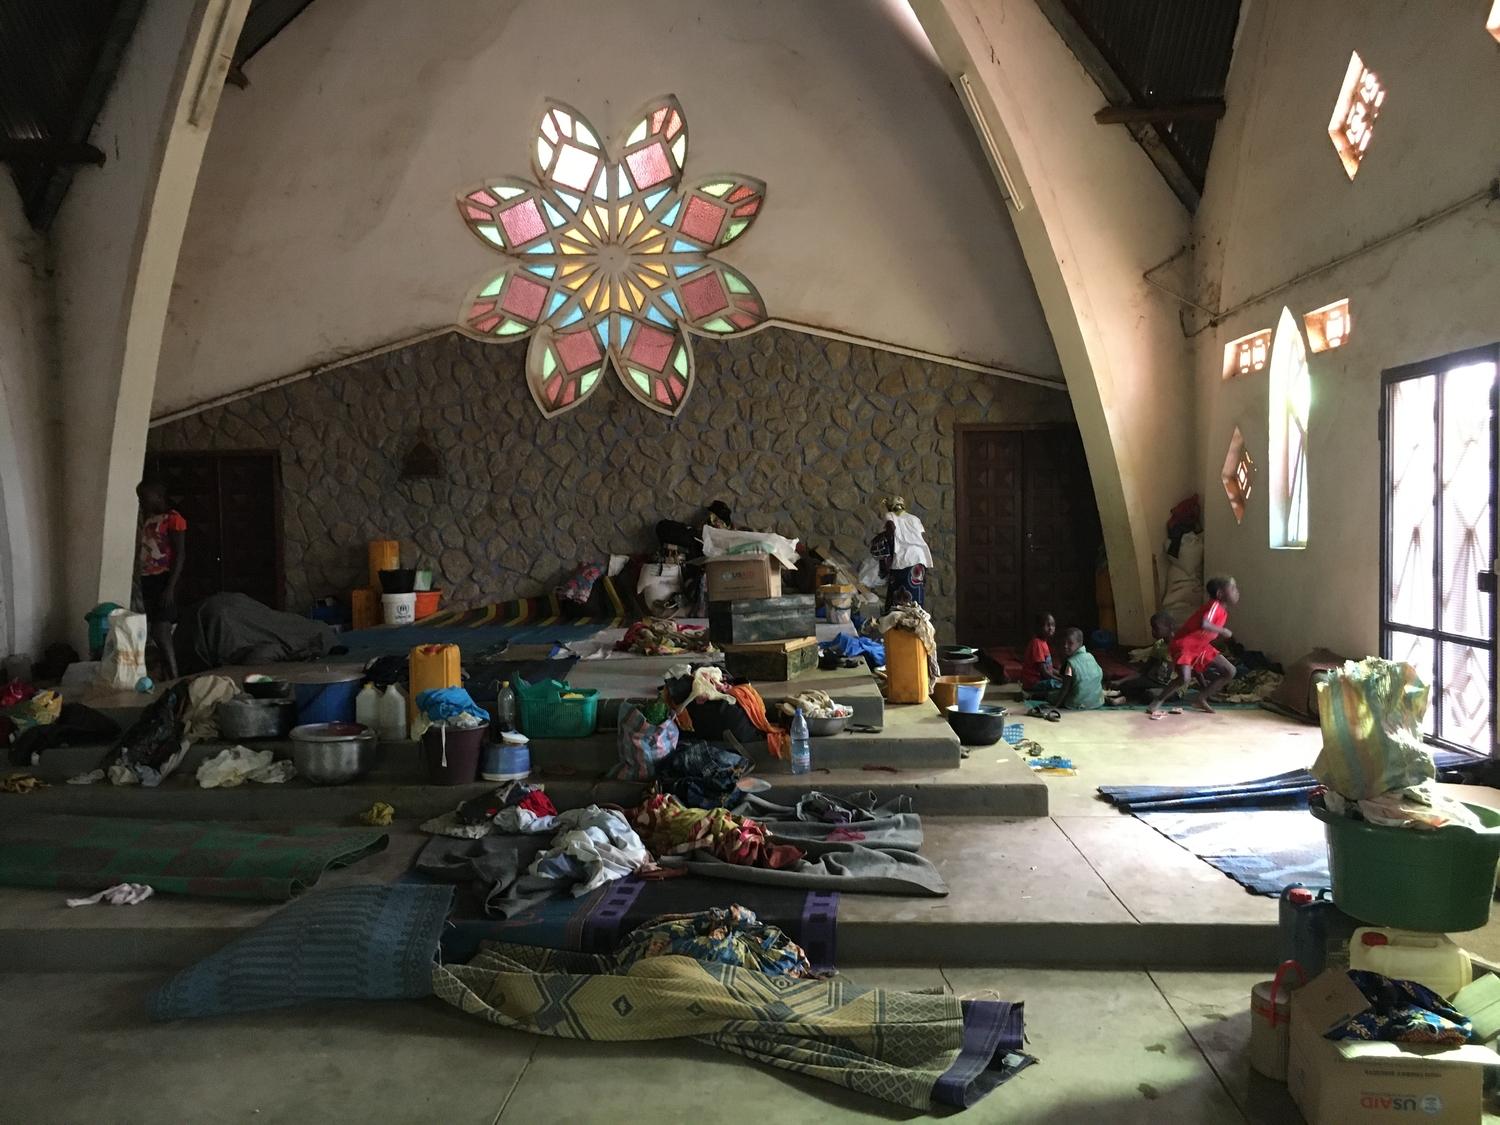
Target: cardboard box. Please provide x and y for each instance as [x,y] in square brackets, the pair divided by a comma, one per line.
[1339,1082]
[743,576]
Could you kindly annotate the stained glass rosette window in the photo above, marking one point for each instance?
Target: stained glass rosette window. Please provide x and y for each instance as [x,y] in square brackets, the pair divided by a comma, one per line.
[608,261]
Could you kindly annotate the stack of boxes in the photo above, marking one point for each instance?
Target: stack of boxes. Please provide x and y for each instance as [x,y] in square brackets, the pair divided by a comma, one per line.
[765,635]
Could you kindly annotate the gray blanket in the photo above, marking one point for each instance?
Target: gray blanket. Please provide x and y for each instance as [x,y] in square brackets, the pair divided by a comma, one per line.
[237,629]
[851,868]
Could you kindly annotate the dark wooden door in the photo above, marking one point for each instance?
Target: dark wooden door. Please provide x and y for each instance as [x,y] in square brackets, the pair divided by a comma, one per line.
[1028,532]
[232,504]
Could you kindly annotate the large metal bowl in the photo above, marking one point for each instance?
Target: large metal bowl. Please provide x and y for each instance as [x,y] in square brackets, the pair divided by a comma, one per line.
[333,753]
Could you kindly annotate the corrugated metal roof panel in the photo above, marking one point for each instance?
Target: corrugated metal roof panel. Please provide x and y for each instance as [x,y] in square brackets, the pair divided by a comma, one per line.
[1166,52]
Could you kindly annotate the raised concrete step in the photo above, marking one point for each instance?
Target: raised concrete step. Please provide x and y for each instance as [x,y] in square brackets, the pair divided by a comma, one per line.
[1023,891]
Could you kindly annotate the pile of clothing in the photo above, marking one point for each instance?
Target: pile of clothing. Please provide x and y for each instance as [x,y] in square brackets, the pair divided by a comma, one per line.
[155,744]
[654,636]
[450,707]
[669,827]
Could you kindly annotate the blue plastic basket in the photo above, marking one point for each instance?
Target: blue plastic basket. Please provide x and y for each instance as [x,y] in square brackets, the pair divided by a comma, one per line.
[1013,733]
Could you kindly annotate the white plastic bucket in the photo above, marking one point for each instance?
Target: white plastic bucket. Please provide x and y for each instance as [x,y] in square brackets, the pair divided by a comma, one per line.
[398,609]
[1271,1022]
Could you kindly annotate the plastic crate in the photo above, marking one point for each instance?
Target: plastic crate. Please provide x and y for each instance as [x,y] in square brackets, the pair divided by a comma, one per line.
[546,714]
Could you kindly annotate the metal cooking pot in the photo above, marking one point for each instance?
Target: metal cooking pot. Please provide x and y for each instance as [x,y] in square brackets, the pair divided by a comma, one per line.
[244,718]
[333,753]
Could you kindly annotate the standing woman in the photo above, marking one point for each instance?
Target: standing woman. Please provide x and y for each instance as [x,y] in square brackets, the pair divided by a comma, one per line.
[901,548]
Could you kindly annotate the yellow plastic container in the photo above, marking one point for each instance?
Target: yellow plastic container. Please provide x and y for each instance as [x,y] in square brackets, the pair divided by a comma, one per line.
[906,677]
[385,554]
[364,608]
[432,667]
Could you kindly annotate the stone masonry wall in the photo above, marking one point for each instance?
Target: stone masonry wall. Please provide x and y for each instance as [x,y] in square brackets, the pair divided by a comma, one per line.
[799,434]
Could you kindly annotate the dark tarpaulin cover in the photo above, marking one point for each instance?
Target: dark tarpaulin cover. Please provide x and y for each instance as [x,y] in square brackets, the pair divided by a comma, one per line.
[237,629]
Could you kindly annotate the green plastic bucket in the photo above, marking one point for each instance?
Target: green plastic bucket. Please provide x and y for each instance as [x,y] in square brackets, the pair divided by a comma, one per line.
[1436,881]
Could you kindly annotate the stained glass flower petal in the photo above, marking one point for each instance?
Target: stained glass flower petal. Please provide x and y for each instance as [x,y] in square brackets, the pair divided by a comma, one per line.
[712,212]
[508,215]
[717,299]
[654,363]
[656,147]
[563,368]
[568,156]
[506,304]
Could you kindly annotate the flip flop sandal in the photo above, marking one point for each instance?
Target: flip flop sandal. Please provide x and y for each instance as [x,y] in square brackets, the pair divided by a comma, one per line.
[1174,711]
[1051,714]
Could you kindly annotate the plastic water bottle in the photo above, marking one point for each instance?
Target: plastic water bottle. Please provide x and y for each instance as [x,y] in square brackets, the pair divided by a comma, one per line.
[505,706]
[801,744]
[367,707]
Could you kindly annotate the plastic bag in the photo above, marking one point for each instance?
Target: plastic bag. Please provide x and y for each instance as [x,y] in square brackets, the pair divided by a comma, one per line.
[641,744]
[869,573]
[1371,714]
[124,661]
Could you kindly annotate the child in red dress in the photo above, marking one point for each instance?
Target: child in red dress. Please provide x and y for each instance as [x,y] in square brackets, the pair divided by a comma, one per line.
[1193,650]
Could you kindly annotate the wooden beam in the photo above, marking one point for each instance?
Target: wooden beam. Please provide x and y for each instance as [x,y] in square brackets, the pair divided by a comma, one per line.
[1208,109]
[48,152]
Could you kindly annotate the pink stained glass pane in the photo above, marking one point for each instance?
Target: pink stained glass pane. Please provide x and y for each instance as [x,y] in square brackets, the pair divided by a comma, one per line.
[677,386]
[524,298]
[650,348]
[748,209]
[743,320]
[1421,654]
[486,324]
[482,196]
[575,167]
[649,166]
[1413,453]
[660,391]
[475,212]
[739,193]
[704,296]
[702,220]
[1466,546]
[658,118]
[481,307]
[522,223]
[577,350]
[553,386]
[571,393]
[1467,703]
[674,125]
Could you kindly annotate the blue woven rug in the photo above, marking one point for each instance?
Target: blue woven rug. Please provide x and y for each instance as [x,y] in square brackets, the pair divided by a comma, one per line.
[348,943]
[1262,850]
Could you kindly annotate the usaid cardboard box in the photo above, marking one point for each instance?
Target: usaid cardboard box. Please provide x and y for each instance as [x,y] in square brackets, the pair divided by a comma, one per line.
[1335,1082]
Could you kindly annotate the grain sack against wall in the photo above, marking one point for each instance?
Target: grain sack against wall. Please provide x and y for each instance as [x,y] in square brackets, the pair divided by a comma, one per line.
[1182,585]
[1371,713]
[124,661]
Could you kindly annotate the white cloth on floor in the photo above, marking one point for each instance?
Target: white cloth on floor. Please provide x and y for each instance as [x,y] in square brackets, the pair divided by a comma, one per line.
[910,547]
[593,845]
[448,824]
[121,894]
[516,820]
[239,764]
[205,693]
[87,778]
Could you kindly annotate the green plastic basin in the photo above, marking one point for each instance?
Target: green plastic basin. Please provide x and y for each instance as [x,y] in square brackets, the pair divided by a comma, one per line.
[1436,881]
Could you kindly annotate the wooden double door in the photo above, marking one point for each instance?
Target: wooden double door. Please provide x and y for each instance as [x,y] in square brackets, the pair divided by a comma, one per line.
[232,504]
[1028,533]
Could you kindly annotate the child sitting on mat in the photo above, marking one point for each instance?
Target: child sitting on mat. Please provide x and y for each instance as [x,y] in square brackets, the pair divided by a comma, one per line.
[1193,649]
[1082,679]
[1156,671]
[1038,676]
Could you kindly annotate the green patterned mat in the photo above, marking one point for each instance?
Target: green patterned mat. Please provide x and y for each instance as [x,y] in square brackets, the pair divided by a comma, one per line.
[175,857]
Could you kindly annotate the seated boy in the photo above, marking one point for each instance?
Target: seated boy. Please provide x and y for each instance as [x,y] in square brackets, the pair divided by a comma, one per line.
[1156,672]
[1038,676]
[1082,678]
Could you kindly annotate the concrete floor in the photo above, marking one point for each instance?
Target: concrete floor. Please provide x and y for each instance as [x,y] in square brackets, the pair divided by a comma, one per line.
[1118,1047]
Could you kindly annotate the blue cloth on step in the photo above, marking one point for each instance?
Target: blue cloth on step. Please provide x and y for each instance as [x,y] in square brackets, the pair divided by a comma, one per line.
[443,705]
[852,647]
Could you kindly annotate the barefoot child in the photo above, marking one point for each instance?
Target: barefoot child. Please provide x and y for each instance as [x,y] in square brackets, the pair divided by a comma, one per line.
[1038,676]
[1157,670]
[1193,648]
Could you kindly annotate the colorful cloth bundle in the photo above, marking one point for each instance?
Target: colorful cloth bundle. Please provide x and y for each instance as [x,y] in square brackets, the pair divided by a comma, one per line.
[727,936]
[668,827]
